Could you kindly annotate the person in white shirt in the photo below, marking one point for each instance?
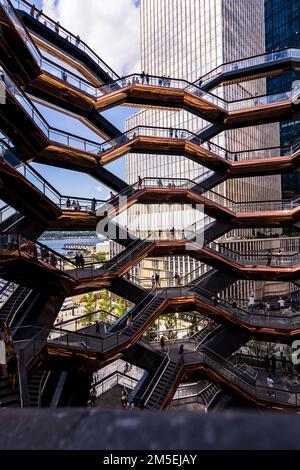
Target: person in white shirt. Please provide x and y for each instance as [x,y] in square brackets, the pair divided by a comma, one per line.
[281,302]
[251,303]
[270,384]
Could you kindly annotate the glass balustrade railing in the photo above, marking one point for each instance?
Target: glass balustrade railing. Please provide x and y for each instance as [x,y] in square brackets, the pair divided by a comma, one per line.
[262,59]
[204,356]
[46,64]
[66,76]
[60,30]
[27,171]
[179,133]
[26,104]
[173,334]
[288,318]
[141,78]
[6,212]
[262,258]
[263,100]
[37,337]
[280,393]
[83,268]
[114,379]
[87,145]
[84,341]
[213,100]
[87,320]
[55,135]
[18,24]
[251,206]
[190,390]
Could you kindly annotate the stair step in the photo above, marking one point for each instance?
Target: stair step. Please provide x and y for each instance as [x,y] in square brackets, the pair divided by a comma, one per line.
[11,398]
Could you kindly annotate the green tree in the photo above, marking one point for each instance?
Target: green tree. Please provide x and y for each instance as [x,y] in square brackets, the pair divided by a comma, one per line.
[120,306]
[104,303]
[89,301]
[100,256]
[171,324]
[194,325]
[151,334]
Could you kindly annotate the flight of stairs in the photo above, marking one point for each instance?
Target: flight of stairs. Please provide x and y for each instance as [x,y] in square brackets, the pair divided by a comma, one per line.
[200,337]
[34,383]
[13,303]
[163,386]
[146,313]
[209,393]
[122,258]
[8,398]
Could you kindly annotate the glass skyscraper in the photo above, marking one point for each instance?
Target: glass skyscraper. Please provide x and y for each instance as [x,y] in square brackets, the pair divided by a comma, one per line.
[187,39]
[282,18]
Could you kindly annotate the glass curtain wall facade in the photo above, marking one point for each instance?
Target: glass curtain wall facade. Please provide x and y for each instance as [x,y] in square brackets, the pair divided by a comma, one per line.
[187,39]
[282,18]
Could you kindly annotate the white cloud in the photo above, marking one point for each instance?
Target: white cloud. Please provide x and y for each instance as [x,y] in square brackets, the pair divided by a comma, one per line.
[110,27]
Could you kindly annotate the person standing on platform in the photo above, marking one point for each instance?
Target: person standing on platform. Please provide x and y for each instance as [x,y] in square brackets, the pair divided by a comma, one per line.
[93,397]
[93,205]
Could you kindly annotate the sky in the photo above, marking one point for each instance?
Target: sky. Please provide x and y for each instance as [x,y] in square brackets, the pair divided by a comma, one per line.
[97,25]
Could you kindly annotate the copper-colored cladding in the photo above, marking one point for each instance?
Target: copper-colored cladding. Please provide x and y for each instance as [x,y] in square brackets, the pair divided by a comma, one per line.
[65,156]
[215,375]
[169,248]
[60,155]
[27,198]
[270,218]
[173,146]
[192,363]
[27,271]
[62,56]
[17,59]
[192,302]
[160,97]
[150,95]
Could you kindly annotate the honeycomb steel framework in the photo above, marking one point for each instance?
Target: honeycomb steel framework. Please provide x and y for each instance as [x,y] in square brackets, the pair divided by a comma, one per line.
[36,288]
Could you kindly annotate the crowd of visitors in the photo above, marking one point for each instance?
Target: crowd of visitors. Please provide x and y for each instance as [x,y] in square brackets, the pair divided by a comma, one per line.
[38,14]
[74,205]
[265,306]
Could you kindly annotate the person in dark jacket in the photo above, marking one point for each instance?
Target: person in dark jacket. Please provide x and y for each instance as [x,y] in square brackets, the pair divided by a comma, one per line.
[12,370]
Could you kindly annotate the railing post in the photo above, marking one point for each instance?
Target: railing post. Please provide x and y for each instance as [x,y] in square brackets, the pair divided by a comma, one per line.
[23,380]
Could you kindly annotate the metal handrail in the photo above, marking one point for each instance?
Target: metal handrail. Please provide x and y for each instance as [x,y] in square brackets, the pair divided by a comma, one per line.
[154,381]
[40,178]
[214,70]
[86,317]
[68,135]
[42,386]
[85,48]
[14,304]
